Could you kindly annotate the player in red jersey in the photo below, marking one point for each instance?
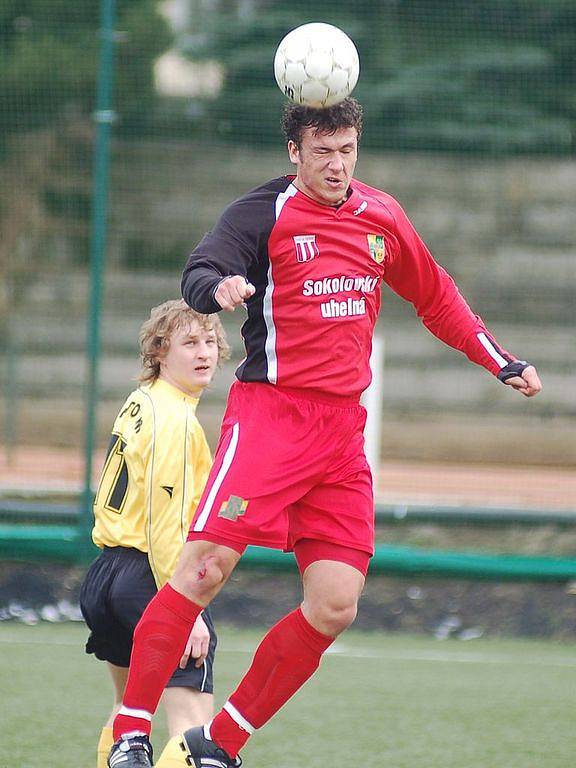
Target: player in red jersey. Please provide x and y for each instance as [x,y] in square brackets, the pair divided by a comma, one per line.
[306,255]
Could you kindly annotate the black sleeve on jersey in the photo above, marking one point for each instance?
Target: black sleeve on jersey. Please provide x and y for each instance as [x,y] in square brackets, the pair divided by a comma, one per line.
[236,246]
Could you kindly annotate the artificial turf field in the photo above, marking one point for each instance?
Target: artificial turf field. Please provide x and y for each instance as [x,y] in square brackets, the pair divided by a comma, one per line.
[398,701]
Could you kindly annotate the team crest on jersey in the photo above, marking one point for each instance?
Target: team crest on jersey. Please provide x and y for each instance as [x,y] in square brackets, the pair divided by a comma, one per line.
[233,508]
[377,247]
[306,248]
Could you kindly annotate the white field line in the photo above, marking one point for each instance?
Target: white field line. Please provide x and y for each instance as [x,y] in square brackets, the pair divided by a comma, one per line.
[438,657]
[428,657]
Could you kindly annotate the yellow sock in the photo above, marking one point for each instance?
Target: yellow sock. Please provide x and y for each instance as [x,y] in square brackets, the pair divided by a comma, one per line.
[104,747]
[173,755]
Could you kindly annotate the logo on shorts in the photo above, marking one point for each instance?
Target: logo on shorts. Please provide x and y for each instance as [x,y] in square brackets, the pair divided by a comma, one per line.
[377,247]
[306,248]
[233,508]
[169,489]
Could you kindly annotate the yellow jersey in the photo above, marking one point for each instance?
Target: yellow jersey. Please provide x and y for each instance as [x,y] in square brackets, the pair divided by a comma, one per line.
[155,471]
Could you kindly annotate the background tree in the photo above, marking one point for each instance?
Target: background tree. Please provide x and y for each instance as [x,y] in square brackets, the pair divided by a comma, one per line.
[48,65]
[490,76]
[49,55]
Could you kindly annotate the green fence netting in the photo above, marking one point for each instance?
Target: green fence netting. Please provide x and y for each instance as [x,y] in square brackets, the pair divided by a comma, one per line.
[125,127]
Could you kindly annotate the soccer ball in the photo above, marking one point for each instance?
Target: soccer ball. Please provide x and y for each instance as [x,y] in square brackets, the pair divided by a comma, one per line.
[316,65]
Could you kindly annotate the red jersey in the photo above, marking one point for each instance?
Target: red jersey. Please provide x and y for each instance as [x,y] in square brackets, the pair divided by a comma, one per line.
[318,271]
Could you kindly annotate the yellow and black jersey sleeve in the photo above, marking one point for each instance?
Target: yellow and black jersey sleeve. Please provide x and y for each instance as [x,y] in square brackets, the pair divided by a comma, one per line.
[153,477]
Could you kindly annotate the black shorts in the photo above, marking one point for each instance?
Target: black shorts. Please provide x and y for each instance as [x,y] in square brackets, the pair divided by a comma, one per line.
[117,588]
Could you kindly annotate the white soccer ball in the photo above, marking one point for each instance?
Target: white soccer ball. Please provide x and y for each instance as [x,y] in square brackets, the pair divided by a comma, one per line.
[316,65]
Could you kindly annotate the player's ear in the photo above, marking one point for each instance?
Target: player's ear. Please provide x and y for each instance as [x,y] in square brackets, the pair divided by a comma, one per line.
[293,152]
[161,347]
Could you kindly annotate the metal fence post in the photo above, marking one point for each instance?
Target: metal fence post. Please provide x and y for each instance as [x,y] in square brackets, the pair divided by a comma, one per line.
[103,117]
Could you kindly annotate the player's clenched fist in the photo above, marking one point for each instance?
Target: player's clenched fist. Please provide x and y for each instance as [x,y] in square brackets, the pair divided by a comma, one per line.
[522,376]
[233,291]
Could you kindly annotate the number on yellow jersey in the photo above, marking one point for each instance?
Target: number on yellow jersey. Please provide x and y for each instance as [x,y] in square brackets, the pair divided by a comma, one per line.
[114,481]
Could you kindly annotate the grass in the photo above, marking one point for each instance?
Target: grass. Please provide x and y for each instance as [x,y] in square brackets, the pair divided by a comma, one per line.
[384,700]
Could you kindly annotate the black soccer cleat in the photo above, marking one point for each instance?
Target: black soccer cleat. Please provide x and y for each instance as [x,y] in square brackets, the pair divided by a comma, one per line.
[133,752]
[202,752]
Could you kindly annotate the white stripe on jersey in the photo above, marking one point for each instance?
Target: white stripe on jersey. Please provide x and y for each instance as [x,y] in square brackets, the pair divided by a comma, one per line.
[270,344]
[238,718]
[492,351]
[283,197]
[226,462]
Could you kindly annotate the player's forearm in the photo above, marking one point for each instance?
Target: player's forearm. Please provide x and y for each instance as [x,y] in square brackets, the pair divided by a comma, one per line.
[228,250]
[482,348]
[453,322]
[199,284]
[416,276]
[456,325]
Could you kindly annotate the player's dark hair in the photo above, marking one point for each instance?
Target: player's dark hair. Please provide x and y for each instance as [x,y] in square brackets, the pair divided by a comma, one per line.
[297,117]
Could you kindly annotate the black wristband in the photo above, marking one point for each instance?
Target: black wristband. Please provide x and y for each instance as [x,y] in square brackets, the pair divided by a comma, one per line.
[515,368]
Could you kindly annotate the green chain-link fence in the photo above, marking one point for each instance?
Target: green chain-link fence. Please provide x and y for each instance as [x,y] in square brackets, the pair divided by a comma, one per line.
[126,129]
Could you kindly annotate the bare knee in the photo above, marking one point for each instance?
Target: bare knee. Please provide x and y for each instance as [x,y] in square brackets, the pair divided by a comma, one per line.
[331,593]
[200,580]
[202,570]
[332,617]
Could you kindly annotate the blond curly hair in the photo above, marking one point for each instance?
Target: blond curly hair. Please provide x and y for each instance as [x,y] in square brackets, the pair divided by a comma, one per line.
[156,332]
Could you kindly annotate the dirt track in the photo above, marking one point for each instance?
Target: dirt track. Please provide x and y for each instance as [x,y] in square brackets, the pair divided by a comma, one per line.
[56,469]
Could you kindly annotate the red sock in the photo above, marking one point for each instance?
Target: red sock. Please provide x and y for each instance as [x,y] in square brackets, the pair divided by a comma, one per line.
[159,641]
[287,656]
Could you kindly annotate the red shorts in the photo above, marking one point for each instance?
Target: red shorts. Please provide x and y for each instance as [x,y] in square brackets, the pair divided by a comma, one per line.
[288,467]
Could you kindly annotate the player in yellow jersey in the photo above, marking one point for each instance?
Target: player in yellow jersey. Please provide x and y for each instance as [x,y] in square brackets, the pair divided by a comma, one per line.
[155,470]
